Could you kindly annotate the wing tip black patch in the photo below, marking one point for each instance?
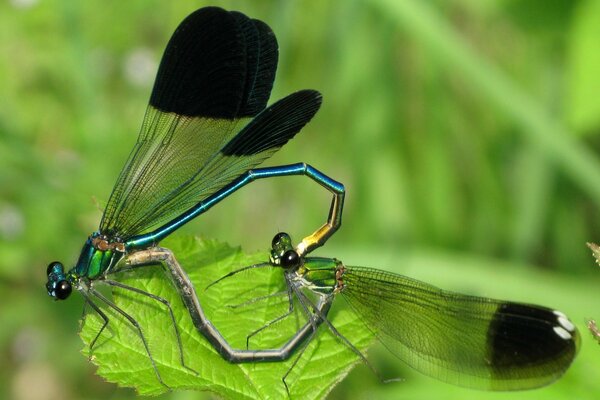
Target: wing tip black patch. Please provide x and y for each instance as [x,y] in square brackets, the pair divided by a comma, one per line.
[217,64]
[522,335]
[276,125]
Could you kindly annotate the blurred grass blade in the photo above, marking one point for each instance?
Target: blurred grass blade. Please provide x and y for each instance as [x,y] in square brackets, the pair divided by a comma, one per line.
[583,108]
[542,128]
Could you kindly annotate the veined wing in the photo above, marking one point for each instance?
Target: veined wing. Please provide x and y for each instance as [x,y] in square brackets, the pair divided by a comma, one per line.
[258,140]
[216,75]
[465,340]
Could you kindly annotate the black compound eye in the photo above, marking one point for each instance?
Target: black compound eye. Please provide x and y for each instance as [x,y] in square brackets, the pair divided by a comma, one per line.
[281,238]
[290,259]
[52,266]
[63,290]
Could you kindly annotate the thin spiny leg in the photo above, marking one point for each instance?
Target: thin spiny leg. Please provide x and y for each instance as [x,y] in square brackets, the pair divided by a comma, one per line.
[167,304]
[237,271]
[301,351]
[101,314]
[322,317]
[137,326]
[130,267]
[359,353]
[274,321]
[260,298]
[281,317]
[294,288]
[191,301]
[82,319]
[255,300]
[314,317]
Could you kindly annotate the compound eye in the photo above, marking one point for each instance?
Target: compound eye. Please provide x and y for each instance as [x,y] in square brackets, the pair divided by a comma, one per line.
[290,259]
[63,290]
[281,238]
[54,265]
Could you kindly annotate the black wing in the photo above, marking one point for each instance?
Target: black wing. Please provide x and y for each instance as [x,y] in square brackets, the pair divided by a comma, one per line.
[216,75]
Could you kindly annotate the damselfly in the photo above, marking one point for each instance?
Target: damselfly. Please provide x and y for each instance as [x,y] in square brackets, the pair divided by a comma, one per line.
[206,126]
[465,340]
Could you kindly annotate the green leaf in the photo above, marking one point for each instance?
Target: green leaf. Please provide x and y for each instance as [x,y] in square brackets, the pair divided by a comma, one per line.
[121,358]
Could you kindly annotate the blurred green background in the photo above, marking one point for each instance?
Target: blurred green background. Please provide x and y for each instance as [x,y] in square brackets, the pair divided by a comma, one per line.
[467,134]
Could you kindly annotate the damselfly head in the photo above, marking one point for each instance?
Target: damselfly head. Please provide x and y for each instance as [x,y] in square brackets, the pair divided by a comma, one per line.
[281,242]
[283,253]
[289,259]
[58,284]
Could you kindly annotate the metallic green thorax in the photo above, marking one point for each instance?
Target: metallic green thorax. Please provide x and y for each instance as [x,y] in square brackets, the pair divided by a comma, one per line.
[322,275]
[96,260]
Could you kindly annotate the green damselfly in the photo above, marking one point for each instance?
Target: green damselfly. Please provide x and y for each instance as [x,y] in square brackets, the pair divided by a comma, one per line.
[469,341]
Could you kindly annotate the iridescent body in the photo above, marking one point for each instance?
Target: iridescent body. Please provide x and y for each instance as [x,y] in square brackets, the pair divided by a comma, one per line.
[465,340]
[206,129]
[321,275]
[96,259]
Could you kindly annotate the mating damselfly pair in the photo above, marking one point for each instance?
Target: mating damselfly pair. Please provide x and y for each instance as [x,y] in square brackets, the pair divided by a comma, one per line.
[206,128]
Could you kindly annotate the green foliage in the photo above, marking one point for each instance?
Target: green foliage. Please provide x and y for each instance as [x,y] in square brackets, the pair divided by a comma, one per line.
[461,128]
[121,357]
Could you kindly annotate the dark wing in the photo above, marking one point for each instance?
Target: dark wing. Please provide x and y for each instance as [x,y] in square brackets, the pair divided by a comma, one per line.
[215,76]
[465,340]
[258,140]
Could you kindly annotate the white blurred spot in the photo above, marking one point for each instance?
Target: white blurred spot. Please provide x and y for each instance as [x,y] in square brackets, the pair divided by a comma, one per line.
[37,381]
[23,3]
[12,223]
[563,320]
[140,67]
[27,345]
[562,332]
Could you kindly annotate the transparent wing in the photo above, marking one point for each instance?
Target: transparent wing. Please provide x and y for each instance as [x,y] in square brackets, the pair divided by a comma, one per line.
[215,76]
[166,185]
[465,340]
